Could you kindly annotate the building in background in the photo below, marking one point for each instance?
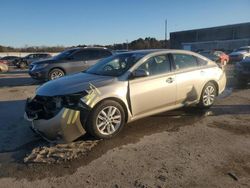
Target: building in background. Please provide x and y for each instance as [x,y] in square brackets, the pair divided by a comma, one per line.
[226,38]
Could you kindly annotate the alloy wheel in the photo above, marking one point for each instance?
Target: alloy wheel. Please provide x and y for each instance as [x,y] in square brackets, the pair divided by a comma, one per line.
[56,74]
[209,95]
[108,120]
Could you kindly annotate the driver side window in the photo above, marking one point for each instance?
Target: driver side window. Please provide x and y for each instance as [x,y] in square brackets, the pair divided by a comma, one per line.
[156,65]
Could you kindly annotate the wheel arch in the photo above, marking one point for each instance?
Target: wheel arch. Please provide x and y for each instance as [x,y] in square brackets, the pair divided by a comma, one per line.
[53,68]
[216,85]
[118,101]
[57,68]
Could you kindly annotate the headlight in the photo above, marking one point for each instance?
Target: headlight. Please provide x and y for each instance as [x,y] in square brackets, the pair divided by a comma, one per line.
[73,100]
[39,66]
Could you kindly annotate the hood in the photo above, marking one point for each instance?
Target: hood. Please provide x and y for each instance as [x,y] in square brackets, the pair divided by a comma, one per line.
[72,84]
[238,53]
[43,61]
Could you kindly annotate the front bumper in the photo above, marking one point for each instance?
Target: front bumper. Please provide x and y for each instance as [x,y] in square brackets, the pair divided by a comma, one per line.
[235,58]
[38,74]
[66,126]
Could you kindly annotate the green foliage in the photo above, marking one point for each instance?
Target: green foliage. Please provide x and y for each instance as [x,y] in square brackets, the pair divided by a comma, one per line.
[147,43]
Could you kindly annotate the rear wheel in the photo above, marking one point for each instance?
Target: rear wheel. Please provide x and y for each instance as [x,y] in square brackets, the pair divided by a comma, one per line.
[106,120]
[22,65]
[208,95]
[55,73]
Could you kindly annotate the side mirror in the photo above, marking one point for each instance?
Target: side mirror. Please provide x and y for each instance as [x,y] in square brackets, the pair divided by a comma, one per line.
[140,73]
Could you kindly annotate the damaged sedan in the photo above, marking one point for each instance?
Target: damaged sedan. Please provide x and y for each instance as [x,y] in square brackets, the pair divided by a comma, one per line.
[120,89]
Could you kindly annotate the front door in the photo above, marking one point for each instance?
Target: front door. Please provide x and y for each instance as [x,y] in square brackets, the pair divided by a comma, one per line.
[78,61]
[156,91]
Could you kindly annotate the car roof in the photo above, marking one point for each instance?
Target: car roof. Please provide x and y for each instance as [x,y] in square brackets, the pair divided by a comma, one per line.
[151,51]
[244,47]
[87,47]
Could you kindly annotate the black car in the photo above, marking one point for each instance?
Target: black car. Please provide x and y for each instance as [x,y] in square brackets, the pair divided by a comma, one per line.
[242,70]
[10,59]
[27,60]
[67,62]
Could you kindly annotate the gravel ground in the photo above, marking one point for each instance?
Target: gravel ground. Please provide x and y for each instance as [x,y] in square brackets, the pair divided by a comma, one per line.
[181,148]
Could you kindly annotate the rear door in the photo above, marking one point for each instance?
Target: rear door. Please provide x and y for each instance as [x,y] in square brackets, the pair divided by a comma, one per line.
[94,55]
[76,61]
[189,78]
[156,91]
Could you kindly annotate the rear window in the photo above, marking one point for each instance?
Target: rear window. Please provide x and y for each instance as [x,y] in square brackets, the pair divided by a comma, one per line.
[201,62]
[184,61]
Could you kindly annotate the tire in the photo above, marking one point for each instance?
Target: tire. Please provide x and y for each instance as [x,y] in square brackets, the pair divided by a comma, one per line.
[56,73]
[22,65]
[208,95]
[100,125]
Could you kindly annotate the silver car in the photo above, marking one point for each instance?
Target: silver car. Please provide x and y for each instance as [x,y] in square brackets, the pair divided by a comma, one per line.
[120,89]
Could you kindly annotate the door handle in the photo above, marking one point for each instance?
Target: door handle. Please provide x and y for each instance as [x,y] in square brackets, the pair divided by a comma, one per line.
[170,80]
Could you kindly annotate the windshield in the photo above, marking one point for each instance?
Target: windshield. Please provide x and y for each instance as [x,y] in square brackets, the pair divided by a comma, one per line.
[64,54]
[115,65]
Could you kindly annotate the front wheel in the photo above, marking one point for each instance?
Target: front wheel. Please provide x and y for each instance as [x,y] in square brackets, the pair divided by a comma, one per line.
[55,73]
[208,95]
[106,120]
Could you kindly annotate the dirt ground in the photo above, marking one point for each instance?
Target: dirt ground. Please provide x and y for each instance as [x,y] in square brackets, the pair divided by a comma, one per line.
[181,148]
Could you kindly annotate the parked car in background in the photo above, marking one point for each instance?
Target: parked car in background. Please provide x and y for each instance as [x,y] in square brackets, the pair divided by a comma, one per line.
[27,60]
[10,59]
[223,57]
[217,56]
[210,55]
[242,70]
[3,61]
[68,62]
[123,88]
[240,54]
[3,67]
[120,51]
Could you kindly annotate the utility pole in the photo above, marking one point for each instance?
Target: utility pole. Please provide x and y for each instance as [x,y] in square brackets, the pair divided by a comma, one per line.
[166,32]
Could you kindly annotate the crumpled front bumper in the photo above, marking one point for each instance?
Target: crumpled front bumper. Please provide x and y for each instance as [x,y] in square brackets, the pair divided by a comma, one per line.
[66,126]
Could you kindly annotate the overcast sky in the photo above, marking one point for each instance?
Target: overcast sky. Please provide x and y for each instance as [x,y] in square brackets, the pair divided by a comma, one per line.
[73,22]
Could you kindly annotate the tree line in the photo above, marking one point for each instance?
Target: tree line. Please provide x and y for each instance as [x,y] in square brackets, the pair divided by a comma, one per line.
[147,43]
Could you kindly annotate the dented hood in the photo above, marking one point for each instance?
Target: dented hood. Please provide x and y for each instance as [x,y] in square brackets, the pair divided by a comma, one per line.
[72,84]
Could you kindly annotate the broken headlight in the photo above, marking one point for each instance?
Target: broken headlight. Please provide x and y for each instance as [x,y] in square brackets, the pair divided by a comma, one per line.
[73,100]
